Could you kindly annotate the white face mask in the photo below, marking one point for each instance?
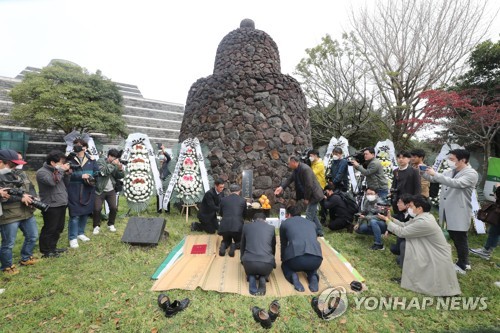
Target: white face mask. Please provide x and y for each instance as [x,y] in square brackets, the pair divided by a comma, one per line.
[311,158]
[371,197]
[411,212]
[451,164]
[335,157]
[4,171]
[19,167]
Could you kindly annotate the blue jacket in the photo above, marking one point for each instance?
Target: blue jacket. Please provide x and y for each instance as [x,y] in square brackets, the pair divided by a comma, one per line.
[81,196]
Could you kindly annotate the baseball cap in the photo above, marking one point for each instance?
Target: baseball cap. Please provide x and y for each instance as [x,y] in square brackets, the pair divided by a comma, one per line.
[10,155]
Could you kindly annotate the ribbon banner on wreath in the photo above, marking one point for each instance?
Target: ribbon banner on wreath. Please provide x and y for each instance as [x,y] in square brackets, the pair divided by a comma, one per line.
[142,178]
[441,167]
[92,150]
[189,179]
[386,154]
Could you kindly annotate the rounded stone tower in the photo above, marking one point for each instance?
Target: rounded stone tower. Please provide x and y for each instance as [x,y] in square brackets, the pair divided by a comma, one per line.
[248,114]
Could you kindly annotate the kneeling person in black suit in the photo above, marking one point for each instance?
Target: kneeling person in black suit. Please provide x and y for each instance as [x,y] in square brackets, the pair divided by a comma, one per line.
[258,246]
[300,249]
[232,210]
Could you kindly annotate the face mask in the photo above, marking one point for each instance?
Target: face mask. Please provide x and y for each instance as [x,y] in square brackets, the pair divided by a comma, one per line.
[311,159]
[59,168]
[411,212]
[4,171]
[19,167]
[371,197]
[77,149]
[335,157]
[451,164]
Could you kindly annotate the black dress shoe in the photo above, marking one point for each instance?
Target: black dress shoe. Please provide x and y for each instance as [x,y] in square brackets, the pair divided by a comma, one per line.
[176,307]
[222,249]
[51,255]
[274,310]
[262,317]
[163,301]
[61,250]
[232,248]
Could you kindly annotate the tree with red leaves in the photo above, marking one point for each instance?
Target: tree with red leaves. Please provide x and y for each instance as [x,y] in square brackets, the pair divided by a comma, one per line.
[472,115]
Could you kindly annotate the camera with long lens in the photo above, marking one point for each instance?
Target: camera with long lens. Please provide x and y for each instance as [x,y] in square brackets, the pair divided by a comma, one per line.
[18,192]
[358,156]
[122,161]
[70,160]
[383,207]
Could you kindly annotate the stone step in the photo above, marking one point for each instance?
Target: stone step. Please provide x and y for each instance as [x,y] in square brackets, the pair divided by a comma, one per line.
[154,132]
[152,104]
[152,113]
[152,122]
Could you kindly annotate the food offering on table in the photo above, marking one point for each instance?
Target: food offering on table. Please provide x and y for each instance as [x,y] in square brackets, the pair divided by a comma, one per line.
[255,205]
[264,202]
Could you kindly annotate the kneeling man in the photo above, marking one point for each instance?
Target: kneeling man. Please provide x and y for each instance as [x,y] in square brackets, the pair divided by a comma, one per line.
[258,246]
[300,249]
[232,210]
[428,267]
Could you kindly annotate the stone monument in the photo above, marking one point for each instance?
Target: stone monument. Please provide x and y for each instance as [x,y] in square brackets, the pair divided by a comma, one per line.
[247,113]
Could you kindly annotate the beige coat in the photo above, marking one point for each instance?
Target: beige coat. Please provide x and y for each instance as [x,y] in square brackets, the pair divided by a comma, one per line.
[428,266]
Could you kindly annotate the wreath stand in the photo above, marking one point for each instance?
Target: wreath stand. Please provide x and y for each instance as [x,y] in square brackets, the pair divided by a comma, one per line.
[186,207]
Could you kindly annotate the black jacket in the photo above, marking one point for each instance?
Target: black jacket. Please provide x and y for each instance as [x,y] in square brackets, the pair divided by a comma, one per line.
[337,208]
[298,237]
[210,205]
[258,243]
[306,184]
[232,210]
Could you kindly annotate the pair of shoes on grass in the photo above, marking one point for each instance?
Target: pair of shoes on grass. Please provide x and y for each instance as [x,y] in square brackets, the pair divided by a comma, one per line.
[266,318]
[169,308]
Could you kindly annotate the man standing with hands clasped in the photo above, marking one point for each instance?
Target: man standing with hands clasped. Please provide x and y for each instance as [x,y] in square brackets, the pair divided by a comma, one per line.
[455,201]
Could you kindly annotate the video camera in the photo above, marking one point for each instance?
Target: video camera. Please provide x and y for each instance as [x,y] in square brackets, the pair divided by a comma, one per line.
[304,155]
[358,156]
[19,192]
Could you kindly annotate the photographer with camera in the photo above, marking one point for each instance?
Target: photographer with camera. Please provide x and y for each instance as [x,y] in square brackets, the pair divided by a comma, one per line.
[17,212]
[110,173]
[374,173]
[428,265]
[368,221]
[52,179]
[81,191]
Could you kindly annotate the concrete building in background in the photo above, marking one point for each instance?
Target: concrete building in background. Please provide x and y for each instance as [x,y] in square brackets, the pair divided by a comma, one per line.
[160,120]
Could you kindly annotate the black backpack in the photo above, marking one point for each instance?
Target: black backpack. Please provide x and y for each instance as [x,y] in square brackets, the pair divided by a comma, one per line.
[352,206]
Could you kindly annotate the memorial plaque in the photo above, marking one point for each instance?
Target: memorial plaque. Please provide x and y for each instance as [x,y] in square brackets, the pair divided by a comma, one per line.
[247,184]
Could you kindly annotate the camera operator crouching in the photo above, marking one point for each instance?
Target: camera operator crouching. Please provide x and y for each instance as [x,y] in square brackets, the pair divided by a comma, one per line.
[110,173]
[17,212]
[368,221]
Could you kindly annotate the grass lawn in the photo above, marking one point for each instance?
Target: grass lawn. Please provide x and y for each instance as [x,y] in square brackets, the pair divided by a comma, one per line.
[104,286]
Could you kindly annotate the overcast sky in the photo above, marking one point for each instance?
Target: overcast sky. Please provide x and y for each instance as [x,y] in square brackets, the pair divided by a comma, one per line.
[161,46]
